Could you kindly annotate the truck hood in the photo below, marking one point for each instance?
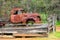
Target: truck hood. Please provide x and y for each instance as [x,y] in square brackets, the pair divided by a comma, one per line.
[31,14]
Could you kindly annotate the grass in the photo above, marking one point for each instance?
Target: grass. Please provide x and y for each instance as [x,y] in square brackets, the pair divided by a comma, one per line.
[57,34]
[58,23]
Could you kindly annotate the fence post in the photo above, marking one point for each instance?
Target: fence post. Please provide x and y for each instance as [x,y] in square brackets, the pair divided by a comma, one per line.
[54,26]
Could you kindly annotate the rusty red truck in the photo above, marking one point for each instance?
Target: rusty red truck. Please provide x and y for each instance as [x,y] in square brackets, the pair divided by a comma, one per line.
[18,15]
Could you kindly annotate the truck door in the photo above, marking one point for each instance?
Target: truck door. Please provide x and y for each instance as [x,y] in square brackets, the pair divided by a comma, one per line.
[16,16]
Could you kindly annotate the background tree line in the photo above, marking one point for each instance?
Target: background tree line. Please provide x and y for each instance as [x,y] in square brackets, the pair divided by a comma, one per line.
[40,6]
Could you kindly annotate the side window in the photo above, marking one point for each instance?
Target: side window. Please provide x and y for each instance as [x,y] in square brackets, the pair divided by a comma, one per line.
[19,12]
[16,12]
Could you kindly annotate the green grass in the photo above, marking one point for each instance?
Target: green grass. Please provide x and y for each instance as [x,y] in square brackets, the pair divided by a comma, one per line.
[58,23]
[57,34]
[54,35]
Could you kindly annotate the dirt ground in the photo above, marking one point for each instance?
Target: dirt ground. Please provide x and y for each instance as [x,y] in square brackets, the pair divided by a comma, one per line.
[58,29]
[30,39]
[51,37]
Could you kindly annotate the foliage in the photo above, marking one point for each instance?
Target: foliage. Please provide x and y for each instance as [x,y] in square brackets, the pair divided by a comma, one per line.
[30,5]
[57,23]
[41,6]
